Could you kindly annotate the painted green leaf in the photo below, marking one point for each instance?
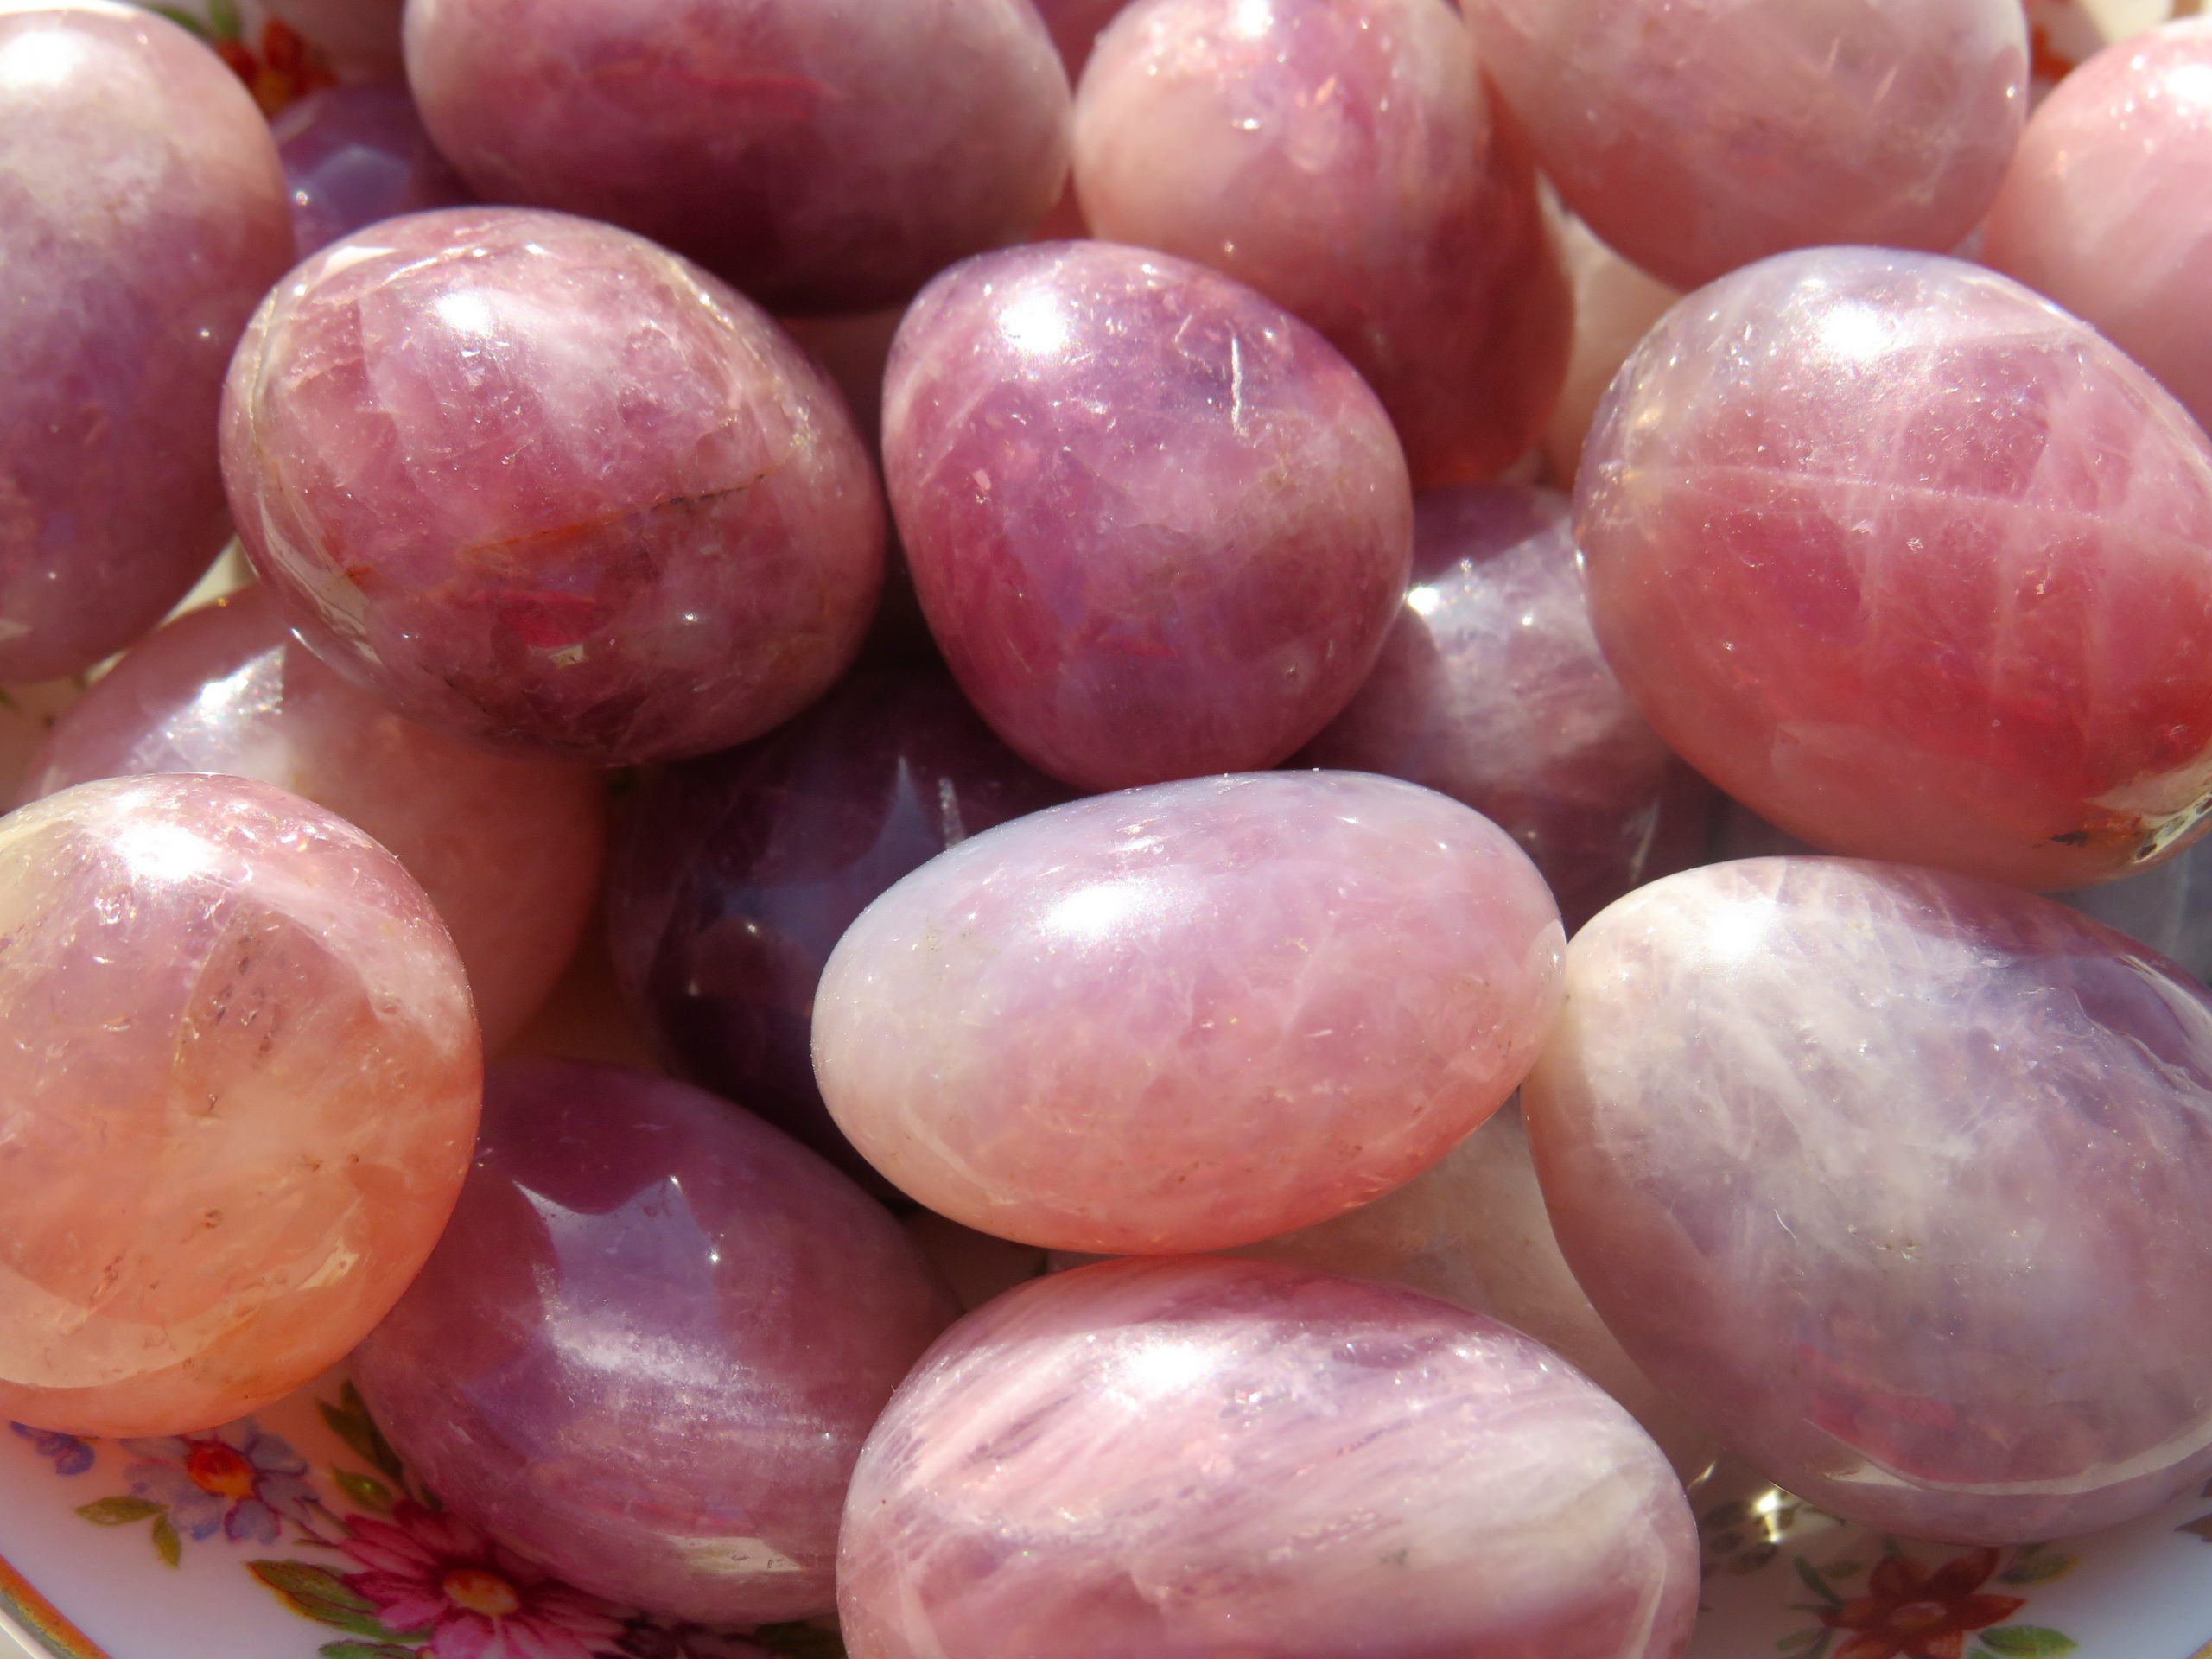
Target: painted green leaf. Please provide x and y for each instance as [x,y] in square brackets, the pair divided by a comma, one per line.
[167,1544]
[800,1641]
[1798,1641]
[118,1511]
[1815,1582]
[2027,1642]
[364,1490]
[365,1650]
[316,1592]
[182,18]
[1846,1569]
[349,1420]
[223,18]
[2037,1565]
[2202,1528]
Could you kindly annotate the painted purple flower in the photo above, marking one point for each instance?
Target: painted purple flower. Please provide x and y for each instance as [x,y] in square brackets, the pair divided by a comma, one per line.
[235,1479]
[71,1455]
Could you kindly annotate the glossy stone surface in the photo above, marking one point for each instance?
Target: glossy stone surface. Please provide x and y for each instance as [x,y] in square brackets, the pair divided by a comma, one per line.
[1159,526]
[647,1351]
[1615,306]
[238,1080]
[355,155]
[1901,1181]
[1218,1460]
[1912,564]
[142,216]
[1491,689]
[508,850]
[2102,207]
[739,874]
[1343,157]
[1192,1016]
[1696,136]
[819,155]
[539,483]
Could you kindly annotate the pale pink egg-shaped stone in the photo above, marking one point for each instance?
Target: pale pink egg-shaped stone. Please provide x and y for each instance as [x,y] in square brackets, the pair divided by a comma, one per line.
[355,155]
[1192,1016]
[1615,306]
[1207,1458]
[239,1077]
[508,850]
[1901,1181]
[820,155]
[141,218]
[1159,526]
[1343,157]
[2104,208]
[1913,564]
[1696,136]
[540,484]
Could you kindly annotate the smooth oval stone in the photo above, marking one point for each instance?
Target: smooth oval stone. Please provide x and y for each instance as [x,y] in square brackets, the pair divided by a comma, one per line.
[141,217]
[1218,1460]
[1159,526]
[1912,564]
[1491,689]
[1189,1017]
[1343,157]
[238,1080]
[1698,137]
[355,155]
[648,1348]
[1615,306]
[2102,207]
[508,850]
[541,485]
[820,155]
[1901,1181]
[737,874]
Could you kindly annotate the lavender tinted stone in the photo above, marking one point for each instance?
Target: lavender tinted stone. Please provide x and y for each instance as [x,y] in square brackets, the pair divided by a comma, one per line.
[355,155]
[1218,1460]
[1901,1181]
[646,1352]
[1158,524]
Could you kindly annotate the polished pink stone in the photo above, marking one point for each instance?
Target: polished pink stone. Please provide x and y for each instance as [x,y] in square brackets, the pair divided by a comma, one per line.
[1159,526]
[238,1080]
[508,850]
[1696,136]
[646,1352]
[820,155]
[1216,1460]
[1901,1181]
[355,155]
[539,483]
[1343,157]
[1192,1016]
[1492,690]
[2104,208]
[141,217]
[1912,564]
[1615,306]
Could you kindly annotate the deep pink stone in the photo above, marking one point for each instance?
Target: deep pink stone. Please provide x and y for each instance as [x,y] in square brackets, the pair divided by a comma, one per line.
[1216,1460]
[1158,526]
[541,484]
[355,155]
[649,1345]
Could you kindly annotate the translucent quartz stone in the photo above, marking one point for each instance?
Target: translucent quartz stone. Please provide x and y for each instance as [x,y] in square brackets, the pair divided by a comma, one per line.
[2102,210]
[1342,156]
[1159,526]
[1912,564]
[355,155]
[647,1351]
[1901,1181]
[1492,690]
[541,484]
[141,217]
[821,155]
[238,1080]
[1192,1016]
[739,874]
[508,850]
[1615,306]
[1218,1460]
[1696,136]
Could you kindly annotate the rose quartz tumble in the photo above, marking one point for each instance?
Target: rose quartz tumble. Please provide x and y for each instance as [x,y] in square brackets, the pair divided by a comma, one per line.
[1912,564]
[1218,1460]
[1696,136]
[648,1348]
[355,155]
[238,1081]
[1192,1016]
[1342,157]
[820,155]
[1903,1181]
[1159,526]
[2103,211]
[508,850]
[141,217]
[540,484]
[1492,690]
